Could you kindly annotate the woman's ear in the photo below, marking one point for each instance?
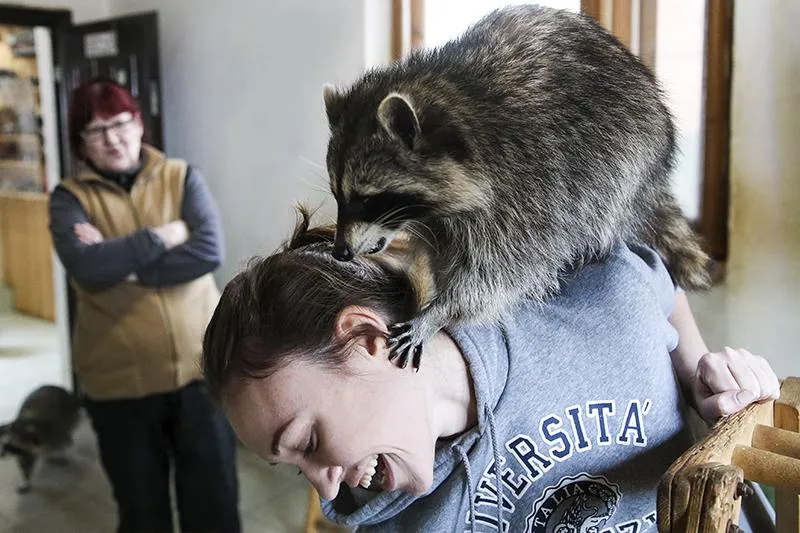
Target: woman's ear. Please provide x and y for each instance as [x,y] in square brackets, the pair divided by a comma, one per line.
[137,120]
[360,324]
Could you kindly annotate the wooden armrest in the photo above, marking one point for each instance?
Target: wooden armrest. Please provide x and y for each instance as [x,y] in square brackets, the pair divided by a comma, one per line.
[315,521]
[702,490]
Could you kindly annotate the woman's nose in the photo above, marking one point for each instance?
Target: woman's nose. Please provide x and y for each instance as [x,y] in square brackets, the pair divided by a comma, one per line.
[111,136]
[325,479]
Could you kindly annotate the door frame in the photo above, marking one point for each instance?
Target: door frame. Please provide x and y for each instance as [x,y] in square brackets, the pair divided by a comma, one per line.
[715,184]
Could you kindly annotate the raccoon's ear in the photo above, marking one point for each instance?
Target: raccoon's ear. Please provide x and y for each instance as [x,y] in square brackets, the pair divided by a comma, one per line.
[397,116]
[333,103]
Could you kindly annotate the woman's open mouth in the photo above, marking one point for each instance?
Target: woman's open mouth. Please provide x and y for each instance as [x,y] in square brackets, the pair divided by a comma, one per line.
[378,476]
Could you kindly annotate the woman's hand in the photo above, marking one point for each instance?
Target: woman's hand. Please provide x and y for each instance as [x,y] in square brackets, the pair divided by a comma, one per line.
[729,380]
[87,233]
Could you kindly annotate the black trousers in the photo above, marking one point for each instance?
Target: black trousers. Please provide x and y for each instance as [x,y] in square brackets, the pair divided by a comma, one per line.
[140,439]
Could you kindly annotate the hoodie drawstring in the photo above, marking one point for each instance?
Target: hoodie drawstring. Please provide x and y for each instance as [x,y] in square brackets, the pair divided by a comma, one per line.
[498,479]
[465,460]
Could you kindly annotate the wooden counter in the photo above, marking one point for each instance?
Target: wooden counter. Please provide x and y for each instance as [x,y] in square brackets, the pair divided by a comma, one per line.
[26,250]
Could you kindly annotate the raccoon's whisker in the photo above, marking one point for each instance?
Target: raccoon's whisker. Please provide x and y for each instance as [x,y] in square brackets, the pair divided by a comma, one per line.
[323,177]
[312,163]
[416,230]
[389,214]
[394,212]
[315,186]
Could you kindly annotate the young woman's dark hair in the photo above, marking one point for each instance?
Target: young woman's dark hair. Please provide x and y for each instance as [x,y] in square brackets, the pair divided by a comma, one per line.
[283,308]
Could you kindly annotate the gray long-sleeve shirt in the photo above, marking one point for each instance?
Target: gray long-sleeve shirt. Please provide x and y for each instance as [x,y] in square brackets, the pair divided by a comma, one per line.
[142,252]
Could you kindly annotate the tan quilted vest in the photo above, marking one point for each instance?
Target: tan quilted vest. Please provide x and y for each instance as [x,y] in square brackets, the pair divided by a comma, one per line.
[130,340]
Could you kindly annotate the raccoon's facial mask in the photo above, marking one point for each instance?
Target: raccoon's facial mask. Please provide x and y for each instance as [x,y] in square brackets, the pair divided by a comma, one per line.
[23,437]
[366,224]
[360,238]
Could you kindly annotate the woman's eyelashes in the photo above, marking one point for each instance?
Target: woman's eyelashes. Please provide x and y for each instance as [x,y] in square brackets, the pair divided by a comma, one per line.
[311,446]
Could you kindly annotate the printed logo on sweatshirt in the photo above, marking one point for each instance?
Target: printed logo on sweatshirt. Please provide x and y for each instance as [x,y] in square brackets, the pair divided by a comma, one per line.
[578,504]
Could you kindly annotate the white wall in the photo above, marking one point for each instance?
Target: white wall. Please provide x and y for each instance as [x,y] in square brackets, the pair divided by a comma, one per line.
[242,89]
[82,10]
[758,307]
[765,176]
[679,65]
[447,19]
[377,32]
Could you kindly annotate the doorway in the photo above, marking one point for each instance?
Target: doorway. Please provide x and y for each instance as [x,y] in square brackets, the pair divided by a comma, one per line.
[33,313]
[42,58]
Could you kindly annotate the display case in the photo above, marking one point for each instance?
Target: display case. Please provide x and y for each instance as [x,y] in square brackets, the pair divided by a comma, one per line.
[22,163]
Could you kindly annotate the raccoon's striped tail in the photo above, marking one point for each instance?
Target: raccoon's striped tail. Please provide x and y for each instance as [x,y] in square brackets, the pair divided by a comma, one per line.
[679,246]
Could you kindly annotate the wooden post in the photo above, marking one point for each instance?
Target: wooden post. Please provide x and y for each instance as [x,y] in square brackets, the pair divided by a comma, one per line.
[648,17]
[787,416]
[313,512]
[621,19]
[715,195]
[397,29]
[593,8]
[417,24]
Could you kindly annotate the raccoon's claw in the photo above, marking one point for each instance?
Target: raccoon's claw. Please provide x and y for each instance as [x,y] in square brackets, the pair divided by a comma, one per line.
[403,347]
[398,329]
[415,362]
[408,352]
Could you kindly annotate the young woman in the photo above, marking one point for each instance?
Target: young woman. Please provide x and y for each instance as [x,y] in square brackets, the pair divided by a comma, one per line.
[561,418]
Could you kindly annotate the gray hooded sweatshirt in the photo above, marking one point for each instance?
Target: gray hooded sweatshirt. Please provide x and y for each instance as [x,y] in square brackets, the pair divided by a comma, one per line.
[578,404]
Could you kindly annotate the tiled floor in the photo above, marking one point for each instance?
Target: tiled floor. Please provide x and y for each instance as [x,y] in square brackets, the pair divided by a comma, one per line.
[76,498]
[29,357]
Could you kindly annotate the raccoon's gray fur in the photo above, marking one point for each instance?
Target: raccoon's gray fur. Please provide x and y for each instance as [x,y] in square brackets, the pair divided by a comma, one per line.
[529,144]
[44,427]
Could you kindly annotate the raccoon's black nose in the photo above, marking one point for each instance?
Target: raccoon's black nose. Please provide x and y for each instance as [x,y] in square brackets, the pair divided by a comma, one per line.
[342,252]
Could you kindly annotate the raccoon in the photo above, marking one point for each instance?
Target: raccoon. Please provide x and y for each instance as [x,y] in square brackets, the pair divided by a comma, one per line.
[525,147]
[44,427]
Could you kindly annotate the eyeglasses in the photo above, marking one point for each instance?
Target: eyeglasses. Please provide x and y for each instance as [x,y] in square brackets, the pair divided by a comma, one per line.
[98,133]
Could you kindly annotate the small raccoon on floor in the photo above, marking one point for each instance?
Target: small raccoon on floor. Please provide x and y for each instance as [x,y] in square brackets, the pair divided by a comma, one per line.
[44,426]
[530,144]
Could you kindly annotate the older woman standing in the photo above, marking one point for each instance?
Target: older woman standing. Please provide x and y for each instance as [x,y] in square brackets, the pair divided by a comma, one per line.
[139,236]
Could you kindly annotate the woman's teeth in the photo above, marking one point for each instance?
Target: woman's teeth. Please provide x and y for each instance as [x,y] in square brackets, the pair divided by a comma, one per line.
[366,479]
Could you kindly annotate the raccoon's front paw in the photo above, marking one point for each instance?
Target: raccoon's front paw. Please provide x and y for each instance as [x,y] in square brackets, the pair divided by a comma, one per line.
[24,488]
[403,345]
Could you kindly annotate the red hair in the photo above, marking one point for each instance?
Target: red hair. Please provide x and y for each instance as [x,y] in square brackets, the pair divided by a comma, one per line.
[93,99]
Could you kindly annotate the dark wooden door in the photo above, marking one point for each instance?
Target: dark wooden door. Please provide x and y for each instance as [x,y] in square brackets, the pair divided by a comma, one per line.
[122,49]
